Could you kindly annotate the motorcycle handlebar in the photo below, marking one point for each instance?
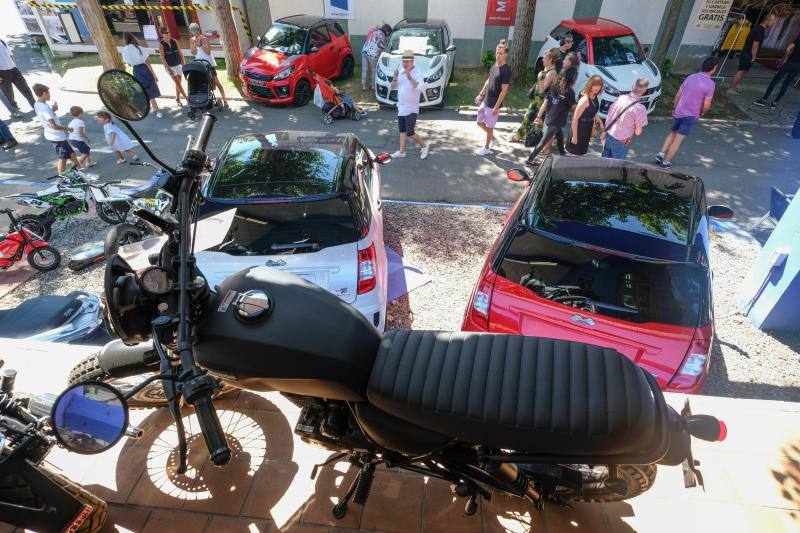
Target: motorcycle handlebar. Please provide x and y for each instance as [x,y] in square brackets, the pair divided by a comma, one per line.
[206,127]
[212,430]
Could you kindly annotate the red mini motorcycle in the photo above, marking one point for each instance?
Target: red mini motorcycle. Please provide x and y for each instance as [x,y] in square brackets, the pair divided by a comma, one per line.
[41,255]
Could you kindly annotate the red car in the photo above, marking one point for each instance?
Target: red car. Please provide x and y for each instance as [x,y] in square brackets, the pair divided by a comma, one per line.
[277,70]
[611,253]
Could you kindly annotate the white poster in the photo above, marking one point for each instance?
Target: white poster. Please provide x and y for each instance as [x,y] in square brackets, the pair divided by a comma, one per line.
[712,14]
[340,9]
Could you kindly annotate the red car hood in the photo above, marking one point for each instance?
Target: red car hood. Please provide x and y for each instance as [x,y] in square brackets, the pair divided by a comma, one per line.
[658,348]
[266,61]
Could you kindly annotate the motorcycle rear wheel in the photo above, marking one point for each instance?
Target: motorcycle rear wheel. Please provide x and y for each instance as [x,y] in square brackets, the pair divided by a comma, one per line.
[14,490]
[35,224]
[639,477]
[120,235]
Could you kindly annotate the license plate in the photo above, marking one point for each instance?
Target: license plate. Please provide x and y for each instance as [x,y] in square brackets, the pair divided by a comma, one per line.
[258,83]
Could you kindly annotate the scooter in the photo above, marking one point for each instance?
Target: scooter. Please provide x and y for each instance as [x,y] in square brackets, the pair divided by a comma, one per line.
[35,497]
[75,318]
[21,241]
[548,421]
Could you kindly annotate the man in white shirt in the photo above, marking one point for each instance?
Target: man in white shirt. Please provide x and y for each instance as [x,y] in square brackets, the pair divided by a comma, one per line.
[53,130]
[9,73]
[410,83]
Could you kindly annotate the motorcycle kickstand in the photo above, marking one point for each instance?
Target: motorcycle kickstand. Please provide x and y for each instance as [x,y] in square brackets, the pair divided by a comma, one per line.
[358,491]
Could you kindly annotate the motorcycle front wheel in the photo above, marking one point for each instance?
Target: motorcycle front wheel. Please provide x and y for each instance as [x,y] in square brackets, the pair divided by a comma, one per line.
[35,224]
[44,258]
[109,215]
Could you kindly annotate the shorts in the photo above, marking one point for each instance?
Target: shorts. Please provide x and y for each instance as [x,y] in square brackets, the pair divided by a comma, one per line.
[63,149]
[683,125]
[80,147]
[486,117]
[175,70]
[745,61]
[406,124]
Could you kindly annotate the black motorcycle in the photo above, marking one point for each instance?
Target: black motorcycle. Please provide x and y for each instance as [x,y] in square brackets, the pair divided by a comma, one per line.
[545,420]
[31,496]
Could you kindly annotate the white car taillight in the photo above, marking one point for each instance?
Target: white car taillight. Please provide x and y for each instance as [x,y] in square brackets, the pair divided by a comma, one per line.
[367,270]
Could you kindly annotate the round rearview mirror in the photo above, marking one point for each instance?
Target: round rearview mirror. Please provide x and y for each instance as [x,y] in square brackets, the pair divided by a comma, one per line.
[123,95]
[383,158]
[517,174]
[89,417]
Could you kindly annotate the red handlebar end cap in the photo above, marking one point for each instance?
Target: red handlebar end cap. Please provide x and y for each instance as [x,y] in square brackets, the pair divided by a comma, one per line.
[723,431]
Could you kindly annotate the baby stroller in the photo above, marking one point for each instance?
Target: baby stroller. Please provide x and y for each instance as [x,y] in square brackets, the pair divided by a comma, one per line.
[200,82]
[333,105]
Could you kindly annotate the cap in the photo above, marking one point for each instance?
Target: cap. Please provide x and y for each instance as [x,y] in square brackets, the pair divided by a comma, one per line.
[194,27]
[408,54]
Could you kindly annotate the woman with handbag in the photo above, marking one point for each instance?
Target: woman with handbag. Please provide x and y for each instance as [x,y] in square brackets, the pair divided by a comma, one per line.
[585,118]
[554,111]
[537,93]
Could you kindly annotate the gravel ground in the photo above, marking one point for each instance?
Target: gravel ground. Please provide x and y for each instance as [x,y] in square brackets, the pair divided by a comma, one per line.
[746,362]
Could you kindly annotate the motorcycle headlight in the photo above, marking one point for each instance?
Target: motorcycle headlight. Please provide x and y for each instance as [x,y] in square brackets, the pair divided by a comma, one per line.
[382,75]
[436,76]
[611,90]
[285,73]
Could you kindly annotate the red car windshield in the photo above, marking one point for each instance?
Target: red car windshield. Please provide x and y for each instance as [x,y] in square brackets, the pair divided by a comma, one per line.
[283,38]
[617,50]
[606,284]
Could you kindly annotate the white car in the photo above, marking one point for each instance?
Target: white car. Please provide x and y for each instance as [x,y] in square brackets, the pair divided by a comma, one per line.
[307,203]
[612,51]
[434,54]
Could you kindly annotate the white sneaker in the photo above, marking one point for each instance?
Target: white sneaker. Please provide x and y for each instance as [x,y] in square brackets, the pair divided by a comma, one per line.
[733,92]
[483,151]
[423,153]
[495,142]
[160,114]
[398,155]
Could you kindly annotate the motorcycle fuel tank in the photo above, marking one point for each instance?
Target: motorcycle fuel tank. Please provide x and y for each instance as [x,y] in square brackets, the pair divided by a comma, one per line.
[270,330]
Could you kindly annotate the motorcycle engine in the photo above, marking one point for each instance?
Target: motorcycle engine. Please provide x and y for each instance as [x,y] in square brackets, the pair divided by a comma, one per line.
[67,206]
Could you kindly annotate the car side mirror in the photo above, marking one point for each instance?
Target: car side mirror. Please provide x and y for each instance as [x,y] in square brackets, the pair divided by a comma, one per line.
[383,158]
[451,48]
[517,174]
[314,50]
[720,212]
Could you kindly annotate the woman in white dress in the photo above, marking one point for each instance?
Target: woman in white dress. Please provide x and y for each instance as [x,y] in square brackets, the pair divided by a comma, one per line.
[116,139]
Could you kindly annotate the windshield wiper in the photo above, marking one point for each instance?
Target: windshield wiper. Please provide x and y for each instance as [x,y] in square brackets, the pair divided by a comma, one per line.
[613,307]
[278,247]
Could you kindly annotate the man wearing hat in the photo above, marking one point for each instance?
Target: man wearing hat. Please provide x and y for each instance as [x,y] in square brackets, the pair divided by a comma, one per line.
[410,83]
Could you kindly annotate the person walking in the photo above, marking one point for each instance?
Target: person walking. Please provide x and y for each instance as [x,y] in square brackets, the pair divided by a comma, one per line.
[6,137]
[409,83]
[13,111]
[492,95]
[750,51]
[173,60]
[789,71]
[554,110]
[78,138]
[625,118]
[544,81]
[119,143]
[692,101]
[10,74]
[53,130]
[201,49]
[585,118]
[373,45]
[133,55]
[564,47]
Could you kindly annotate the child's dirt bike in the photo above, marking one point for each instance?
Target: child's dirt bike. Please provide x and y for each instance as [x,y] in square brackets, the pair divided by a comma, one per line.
[69,196]
[22,241]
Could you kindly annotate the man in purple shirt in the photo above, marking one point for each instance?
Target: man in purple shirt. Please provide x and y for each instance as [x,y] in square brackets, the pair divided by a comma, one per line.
[692,101]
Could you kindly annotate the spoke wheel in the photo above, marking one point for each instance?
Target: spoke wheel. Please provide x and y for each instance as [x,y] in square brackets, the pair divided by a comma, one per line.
[44,258]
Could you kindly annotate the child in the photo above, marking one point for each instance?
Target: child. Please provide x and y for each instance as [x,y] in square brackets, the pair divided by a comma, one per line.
[53,130]
[78,138]
[117,141]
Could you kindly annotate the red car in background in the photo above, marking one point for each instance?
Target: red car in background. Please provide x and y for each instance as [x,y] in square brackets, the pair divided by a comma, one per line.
[277,70]
[611,253]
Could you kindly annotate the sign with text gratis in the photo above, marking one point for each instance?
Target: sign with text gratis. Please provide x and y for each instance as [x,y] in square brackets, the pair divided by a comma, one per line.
[501,12]
[712,14]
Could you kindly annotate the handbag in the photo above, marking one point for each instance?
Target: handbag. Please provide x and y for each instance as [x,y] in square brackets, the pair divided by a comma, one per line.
[533,137]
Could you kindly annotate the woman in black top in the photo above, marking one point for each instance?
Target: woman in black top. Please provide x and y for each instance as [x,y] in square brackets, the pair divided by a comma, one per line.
[172,57]
[555,108]
[585,117]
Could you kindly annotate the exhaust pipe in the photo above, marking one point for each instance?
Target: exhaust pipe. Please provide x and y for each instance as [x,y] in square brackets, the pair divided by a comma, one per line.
[509,474]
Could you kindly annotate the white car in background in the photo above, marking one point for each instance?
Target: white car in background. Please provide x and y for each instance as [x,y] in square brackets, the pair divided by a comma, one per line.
[307,203]
[612,51]
[434,51]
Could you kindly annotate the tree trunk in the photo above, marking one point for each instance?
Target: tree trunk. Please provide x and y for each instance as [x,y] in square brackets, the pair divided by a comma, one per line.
[521,44]
[101,34]
[668,34]
[230,41]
